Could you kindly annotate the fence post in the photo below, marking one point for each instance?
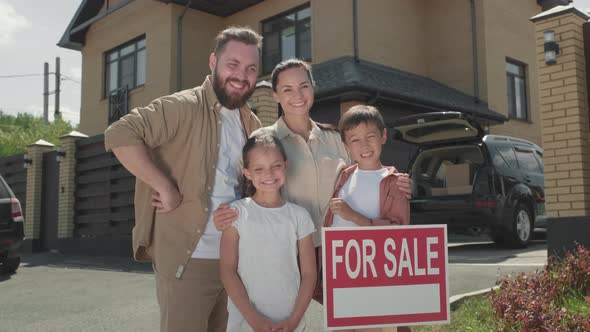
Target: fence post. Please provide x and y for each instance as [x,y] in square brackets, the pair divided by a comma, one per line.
[34,194]
[67,185]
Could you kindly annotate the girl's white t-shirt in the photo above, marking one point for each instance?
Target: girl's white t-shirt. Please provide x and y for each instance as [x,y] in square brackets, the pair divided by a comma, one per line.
[361,193]
[267,261]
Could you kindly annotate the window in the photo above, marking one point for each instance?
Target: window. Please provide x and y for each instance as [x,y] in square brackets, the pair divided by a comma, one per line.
[527,161]
[125,66]
[517,90]
[286,36]
[504,158]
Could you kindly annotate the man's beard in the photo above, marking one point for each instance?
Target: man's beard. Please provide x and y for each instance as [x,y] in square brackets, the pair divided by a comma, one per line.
[227,100]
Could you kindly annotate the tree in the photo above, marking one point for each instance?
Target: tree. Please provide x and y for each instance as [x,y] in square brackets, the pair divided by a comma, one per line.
[17,132]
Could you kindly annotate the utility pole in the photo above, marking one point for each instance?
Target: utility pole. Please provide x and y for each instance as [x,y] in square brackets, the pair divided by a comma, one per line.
[57,114]
[46,92]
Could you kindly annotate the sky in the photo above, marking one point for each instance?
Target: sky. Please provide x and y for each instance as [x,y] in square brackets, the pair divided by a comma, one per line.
[29,32]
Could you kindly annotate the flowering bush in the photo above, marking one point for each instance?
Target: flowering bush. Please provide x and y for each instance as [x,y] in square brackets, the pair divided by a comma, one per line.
[536,302]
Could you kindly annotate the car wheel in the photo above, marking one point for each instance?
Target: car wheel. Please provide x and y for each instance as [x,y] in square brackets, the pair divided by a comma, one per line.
[522,226]
[10,264]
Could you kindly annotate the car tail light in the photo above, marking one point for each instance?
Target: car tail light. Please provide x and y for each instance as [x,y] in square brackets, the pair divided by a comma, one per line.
[17,211]
[485,204]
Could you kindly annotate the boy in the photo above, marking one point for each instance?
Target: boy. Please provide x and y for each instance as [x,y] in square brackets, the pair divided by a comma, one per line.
[366,194]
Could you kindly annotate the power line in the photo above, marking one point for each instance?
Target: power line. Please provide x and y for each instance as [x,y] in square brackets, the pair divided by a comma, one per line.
[21,75]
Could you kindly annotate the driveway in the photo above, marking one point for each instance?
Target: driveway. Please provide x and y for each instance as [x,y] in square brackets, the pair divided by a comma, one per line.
[52,292]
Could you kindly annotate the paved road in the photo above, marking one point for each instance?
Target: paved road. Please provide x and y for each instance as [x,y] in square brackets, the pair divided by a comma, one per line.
[51,292]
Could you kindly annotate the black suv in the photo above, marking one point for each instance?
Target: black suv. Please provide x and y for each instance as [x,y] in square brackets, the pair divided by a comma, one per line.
[11,229]
[473,182]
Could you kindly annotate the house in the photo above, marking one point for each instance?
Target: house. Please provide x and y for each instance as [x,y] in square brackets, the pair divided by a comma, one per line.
[403,56]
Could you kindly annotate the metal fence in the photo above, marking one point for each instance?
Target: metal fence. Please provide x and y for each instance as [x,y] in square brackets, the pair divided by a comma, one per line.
[15,174]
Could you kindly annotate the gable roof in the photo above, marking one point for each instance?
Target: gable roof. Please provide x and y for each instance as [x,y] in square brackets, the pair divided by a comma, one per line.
[89,12]
[344,75]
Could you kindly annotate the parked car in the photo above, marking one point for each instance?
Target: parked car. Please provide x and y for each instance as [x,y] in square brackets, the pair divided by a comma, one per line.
[472,181]
[11,229]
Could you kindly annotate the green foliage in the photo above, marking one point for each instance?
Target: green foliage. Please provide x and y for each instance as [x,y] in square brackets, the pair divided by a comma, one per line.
[16,132]
[474,314]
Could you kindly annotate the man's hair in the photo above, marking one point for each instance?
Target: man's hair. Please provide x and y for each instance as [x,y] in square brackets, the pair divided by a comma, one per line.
[288,64]
[241,34]
[360,114]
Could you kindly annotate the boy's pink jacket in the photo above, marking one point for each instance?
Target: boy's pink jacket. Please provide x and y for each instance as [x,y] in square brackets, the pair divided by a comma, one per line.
[393,205]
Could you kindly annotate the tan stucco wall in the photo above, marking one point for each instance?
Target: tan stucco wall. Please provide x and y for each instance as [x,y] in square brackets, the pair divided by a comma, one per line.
[448,46]
[198,30]
[510,34]
[392,33]
[114,30]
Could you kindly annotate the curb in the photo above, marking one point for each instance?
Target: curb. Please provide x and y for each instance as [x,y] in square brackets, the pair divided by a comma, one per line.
[456,300]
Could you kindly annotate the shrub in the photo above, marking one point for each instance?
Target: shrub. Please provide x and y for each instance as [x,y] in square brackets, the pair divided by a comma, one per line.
[538,302]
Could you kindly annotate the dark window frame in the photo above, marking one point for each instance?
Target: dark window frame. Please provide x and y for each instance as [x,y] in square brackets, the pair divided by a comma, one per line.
[119,59]
[511,78]
[292,11]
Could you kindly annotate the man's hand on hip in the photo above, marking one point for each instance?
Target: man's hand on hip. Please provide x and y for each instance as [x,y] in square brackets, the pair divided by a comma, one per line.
[166,199]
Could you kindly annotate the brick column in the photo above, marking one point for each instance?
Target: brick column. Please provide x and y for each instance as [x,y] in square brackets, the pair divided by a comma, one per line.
[34,194]
[267,109]
[67,185]
[564,114]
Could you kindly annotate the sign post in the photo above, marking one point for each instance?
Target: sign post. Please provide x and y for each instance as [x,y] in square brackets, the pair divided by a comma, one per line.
[385,276]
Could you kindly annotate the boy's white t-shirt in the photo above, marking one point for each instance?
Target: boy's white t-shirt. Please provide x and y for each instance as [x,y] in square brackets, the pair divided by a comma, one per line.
[361,193]
[267,261]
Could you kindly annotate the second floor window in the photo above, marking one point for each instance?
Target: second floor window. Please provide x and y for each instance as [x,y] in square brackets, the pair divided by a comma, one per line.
[517,90]
[286,36]
[125,66]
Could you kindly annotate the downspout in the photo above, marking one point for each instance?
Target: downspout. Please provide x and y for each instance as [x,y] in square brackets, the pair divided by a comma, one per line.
[474,47]
[179,47]
[355,27]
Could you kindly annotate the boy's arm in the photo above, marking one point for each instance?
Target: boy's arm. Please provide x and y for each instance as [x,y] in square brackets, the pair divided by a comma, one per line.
[308,279]
[396,207]
[340,207]
[233,284]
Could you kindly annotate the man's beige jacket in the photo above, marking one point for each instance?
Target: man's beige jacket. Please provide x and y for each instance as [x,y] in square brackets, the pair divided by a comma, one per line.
[181,132]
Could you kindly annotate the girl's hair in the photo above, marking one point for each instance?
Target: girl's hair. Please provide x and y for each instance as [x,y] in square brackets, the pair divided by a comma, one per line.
[262,139]
[288,64]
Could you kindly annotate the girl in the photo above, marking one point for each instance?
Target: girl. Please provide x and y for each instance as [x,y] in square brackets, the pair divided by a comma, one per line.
[259,254]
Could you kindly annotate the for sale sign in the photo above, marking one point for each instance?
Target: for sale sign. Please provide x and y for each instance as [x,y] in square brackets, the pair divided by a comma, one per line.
[385,276]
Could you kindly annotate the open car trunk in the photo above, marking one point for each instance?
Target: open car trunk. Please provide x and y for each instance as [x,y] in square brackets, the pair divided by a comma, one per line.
[446,171]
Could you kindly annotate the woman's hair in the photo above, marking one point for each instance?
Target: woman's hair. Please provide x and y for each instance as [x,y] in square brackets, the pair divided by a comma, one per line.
[262,139]
[360,114]
[288,64]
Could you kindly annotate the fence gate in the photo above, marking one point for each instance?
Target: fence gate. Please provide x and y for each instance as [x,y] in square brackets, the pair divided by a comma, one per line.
[49,201]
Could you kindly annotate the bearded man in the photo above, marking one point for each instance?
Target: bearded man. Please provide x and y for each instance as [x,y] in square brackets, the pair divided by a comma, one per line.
[184,150]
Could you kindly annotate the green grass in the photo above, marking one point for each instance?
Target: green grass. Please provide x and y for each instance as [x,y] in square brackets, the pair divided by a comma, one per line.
[575,302]
[475,314]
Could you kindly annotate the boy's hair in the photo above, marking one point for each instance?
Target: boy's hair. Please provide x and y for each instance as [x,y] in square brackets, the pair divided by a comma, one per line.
[241,34]
[262,139]
[288,64]
[360,114]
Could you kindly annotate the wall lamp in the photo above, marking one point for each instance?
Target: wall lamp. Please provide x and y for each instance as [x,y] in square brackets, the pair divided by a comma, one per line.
[551,47]
[27,161]
[60,154]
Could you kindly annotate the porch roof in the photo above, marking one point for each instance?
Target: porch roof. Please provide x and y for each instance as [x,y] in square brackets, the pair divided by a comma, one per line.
[346,77]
